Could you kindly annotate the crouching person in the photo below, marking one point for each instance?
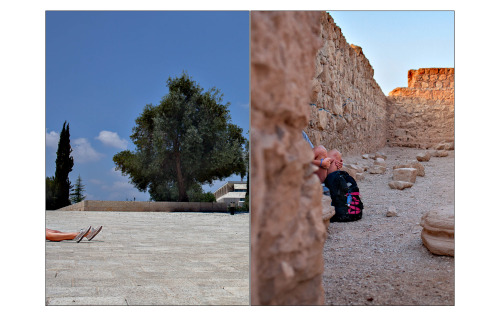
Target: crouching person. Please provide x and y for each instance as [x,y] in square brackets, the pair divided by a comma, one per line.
[344,191]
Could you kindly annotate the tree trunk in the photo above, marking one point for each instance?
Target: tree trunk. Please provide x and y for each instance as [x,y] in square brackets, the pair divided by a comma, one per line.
[180,181]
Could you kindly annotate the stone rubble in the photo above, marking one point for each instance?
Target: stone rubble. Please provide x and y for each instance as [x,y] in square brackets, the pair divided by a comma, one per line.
[400,185]
[377,169]
[391,212]
[424,156]
[413,164]
[439,153]
[380,161]
[445,145]
[405,175]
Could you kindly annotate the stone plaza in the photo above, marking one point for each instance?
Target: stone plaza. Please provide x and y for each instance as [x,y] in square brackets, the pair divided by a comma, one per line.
[149,258]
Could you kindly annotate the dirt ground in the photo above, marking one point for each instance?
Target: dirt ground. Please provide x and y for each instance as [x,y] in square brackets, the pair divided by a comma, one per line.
[381,260]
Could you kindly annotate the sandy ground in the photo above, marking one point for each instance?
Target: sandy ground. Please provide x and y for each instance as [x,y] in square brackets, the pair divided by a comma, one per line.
[381,260]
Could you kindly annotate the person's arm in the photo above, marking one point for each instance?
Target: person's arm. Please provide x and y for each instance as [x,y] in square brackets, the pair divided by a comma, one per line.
[323,163]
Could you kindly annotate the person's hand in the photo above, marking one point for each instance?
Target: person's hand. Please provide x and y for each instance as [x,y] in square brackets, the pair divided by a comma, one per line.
[339,164]
[326,163]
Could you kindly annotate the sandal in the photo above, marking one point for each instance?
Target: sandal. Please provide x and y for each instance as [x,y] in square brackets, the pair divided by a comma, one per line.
[94,232]
[80,235]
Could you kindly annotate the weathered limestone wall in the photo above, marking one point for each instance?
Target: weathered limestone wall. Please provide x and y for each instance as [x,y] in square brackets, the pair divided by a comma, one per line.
[423,114]
[348,108]
[144,206]
[287,230]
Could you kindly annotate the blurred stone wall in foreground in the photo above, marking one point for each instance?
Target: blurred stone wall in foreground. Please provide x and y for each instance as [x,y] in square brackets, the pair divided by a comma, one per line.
[287,232]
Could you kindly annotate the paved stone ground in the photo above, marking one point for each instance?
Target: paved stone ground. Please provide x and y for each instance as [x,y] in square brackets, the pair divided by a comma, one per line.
[149,258]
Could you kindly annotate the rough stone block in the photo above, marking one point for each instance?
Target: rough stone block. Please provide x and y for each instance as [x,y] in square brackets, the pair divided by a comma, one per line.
[413,164]
[380,155]
[424,156]
[380,161]
[377,169]
[438,233]
[399,185]
[363,165]
[355,167]
[391,212]
[439,153]
[405,175]
[328,210]
[444,145]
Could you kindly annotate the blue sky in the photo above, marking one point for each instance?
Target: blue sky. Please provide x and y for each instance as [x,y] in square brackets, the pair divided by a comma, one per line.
[397,41]
[103,67]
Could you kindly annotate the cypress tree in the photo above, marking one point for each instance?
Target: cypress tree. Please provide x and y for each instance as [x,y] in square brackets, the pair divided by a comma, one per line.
[50,193]
[77,194]
[64,165]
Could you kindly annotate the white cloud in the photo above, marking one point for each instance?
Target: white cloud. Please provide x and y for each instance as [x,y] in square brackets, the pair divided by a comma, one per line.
[83,151]
[112,139]
[51,139]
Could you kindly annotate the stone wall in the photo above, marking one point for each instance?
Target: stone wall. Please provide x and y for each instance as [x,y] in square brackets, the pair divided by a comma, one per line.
[145,206]
[423,114]
[287,231]
[347,106]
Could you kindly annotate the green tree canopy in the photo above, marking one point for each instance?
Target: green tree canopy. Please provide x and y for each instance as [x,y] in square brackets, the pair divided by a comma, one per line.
[186,140]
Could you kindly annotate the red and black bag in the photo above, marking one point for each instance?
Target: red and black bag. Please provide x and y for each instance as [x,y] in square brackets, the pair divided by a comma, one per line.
[345,196]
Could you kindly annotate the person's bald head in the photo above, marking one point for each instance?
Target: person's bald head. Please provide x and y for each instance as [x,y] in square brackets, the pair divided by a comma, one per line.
[335,155]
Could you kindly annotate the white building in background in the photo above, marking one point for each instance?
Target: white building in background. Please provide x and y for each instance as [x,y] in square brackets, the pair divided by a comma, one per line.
[233,191]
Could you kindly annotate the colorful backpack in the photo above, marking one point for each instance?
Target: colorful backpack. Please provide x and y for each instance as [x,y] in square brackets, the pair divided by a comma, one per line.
[345,196]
